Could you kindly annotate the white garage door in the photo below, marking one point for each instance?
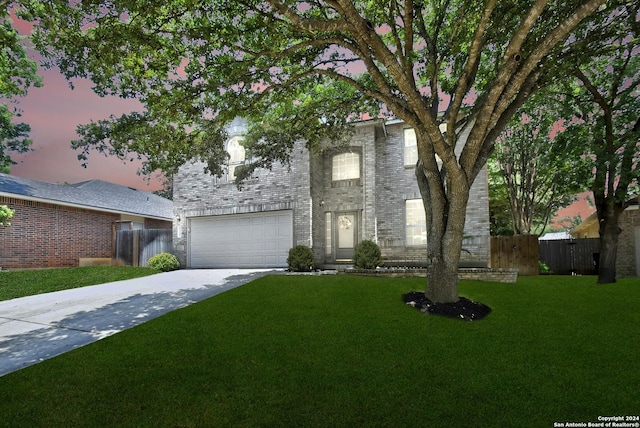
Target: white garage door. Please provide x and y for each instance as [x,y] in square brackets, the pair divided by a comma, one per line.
[241,241]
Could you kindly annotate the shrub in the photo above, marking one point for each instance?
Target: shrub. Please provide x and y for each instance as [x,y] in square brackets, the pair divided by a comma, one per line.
[164,262]
[543,268]
[367,255]
[301,259]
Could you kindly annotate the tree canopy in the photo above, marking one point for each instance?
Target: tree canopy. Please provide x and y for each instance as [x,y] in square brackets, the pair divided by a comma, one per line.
[535,172]
[306,64]
[17,74]
[602,106]
[302,70]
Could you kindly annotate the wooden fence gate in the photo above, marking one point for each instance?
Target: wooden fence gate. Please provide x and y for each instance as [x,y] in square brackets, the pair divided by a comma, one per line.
[515,252]
[135,247]
[571,256]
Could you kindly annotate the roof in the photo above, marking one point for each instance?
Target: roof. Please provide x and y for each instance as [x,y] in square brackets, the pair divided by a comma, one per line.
[554,236]
[93,194]
[632,204]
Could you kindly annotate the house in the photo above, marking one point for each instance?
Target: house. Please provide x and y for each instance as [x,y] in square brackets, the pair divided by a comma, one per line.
[628,257]
[329,201]
[56,225]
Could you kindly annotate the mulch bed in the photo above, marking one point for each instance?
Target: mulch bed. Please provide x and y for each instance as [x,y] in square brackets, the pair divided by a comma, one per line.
[463,309]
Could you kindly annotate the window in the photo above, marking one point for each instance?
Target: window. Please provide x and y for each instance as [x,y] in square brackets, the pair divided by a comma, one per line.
[327,234]
[410,147]
[345,166]
[236,155]
[416,223]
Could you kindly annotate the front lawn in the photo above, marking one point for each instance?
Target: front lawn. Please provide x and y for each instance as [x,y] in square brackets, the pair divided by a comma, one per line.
[344,351]
[21,283]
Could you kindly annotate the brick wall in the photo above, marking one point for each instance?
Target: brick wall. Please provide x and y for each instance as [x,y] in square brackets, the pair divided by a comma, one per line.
[47,235]
[395,183]
[151,223]
[508,276]
[626,257]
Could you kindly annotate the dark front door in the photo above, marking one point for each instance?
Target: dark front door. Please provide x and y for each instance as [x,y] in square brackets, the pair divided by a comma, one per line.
[346,227]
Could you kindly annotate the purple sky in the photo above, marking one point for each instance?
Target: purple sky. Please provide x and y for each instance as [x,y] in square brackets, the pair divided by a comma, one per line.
[53,112]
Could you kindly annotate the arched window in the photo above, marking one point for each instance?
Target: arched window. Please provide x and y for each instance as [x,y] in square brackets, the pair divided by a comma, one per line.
[345,166]
[236,155]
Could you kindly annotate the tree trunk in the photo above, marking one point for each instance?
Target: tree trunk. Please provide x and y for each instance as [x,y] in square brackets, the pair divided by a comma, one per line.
[442,278]
[609,233]
[446,214]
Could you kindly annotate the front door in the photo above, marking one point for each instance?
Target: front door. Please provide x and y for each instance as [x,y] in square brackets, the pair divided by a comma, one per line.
[346,235]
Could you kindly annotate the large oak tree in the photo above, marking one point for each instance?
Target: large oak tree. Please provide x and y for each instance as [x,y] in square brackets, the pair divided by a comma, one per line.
[303,69]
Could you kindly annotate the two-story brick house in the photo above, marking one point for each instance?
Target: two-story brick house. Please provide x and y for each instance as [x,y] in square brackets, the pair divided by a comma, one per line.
[329,201]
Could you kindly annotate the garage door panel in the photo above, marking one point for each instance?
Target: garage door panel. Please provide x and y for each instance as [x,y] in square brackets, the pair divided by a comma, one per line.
[244,240]
[271,246]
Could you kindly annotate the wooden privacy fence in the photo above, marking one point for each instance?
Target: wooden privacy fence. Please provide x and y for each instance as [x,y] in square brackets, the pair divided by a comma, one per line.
[515,252]
[135,247]
[571,256]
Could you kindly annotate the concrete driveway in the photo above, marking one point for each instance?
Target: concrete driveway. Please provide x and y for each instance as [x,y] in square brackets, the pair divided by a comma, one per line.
[35,328]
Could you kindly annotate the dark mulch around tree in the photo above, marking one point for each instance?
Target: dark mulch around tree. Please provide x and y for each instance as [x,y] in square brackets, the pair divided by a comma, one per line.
[463,309]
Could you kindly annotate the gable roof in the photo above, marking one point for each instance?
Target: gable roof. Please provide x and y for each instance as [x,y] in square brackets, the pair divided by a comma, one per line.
[93,194]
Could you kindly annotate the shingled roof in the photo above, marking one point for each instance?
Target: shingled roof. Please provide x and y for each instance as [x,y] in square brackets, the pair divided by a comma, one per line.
[93,194]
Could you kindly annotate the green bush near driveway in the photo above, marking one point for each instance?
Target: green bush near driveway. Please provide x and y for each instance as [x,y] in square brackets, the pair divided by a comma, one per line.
[164,262]
[301,259]
[344,351]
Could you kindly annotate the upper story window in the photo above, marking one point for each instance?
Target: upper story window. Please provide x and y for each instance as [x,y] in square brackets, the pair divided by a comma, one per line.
[410,147]
[236,155]
[345,166]
[416,223]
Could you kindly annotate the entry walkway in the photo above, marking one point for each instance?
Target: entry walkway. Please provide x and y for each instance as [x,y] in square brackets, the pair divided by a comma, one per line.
[35,328]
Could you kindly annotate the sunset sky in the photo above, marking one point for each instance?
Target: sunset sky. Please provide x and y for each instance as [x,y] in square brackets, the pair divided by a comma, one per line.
[53,112]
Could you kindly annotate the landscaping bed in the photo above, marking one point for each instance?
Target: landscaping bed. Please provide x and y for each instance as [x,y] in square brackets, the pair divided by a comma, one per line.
[508,276]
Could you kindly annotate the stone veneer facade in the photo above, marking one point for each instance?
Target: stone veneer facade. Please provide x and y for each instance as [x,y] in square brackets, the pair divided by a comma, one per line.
[377,198]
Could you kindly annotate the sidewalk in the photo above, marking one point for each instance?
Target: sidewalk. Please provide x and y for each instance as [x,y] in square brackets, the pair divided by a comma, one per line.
[35,328]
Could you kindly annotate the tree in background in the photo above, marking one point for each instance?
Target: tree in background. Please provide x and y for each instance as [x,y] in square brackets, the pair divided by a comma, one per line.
[501,223]
[6,214]
[534,173]
[303,70]
[17,74]
[602,107]
[167,187]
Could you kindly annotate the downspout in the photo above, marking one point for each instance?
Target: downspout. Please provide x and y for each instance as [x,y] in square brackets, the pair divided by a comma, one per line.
[364,189]
[311,223]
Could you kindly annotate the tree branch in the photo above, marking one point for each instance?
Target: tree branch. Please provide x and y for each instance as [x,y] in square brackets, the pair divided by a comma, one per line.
[471,67]
[310,25]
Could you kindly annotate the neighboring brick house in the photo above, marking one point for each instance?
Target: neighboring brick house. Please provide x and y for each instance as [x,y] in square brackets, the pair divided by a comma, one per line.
[329,201]
[628,257]
[57,225]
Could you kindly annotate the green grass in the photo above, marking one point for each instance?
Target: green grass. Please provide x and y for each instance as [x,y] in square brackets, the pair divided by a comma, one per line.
[14,284]
[344,351]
